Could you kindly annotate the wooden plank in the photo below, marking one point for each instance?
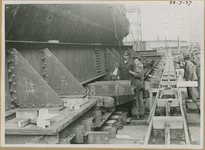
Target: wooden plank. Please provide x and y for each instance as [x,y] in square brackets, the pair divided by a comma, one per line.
[175,122]
[167,133]
[110,123]
[146,140]
[170,83]
[173,102]
[187,84]
[124,141]
[56,128]
[105,117]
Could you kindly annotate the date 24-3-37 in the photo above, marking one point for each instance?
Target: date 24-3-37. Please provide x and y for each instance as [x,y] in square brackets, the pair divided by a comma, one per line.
[181,2]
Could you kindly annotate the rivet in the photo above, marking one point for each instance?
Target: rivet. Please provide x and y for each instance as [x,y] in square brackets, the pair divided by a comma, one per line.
[61,93]
[9,70]
[76,92]
[46,76]
[8,61]
[13,75]
[12,60]
[11,52]
[43,66]
[41,105]
[44,73]
[10,80]
[12,67]
[45,69]
[51,104]
[14,91]
[60,104]
[12,106]
[15,98]
[68,92]
[11,91]
[33,105]
[45,63]
[14,83]
[43,58]
[7,108]
[24,106]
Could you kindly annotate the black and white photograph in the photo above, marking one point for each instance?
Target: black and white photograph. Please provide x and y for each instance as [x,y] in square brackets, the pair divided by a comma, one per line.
[104,74]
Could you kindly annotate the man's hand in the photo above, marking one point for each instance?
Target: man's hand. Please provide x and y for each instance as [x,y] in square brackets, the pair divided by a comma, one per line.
[131,72]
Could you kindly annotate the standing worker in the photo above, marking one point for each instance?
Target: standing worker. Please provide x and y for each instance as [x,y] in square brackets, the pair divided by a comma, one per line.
[198,70]
[137,80]
[125,65]
[190,75]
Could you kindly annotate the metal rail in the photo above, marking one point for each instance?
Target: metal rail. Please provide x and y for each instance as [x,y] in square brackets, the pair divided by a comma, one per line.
[164,99]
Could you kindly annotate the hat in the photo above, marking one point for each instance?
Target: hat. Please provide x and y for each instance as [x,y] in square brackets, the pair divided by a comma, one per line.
[137,56]
[126,53]
[186,56]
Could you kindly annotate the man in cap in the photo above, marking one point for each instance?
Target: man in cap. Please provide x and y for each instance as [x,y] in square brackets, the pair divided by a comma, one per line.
[125,66]
[190,75]
[198,69]
[137,80]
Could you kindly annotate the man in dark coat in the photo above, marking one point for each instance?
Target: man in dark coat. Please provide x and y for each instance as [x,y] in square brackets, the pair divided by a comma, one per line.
[125,65]
[137,80]
[198,70]
[190,75]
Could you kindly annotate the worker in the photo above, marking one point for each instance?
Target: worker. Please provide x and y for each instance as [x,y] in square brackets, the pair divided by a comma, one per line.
[190,75]
[125,65]
[198,70]
[137,80]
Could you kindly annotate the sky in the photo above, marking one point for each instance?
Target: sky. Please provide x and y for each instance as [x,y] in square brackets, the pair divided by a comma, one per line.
[162,19]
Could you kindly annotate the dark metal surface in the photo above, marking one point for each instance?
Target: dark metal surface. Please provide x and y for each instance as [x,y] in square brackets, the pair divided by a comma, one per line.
[121,90]
[30,90]
[71,23]
[58,77]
